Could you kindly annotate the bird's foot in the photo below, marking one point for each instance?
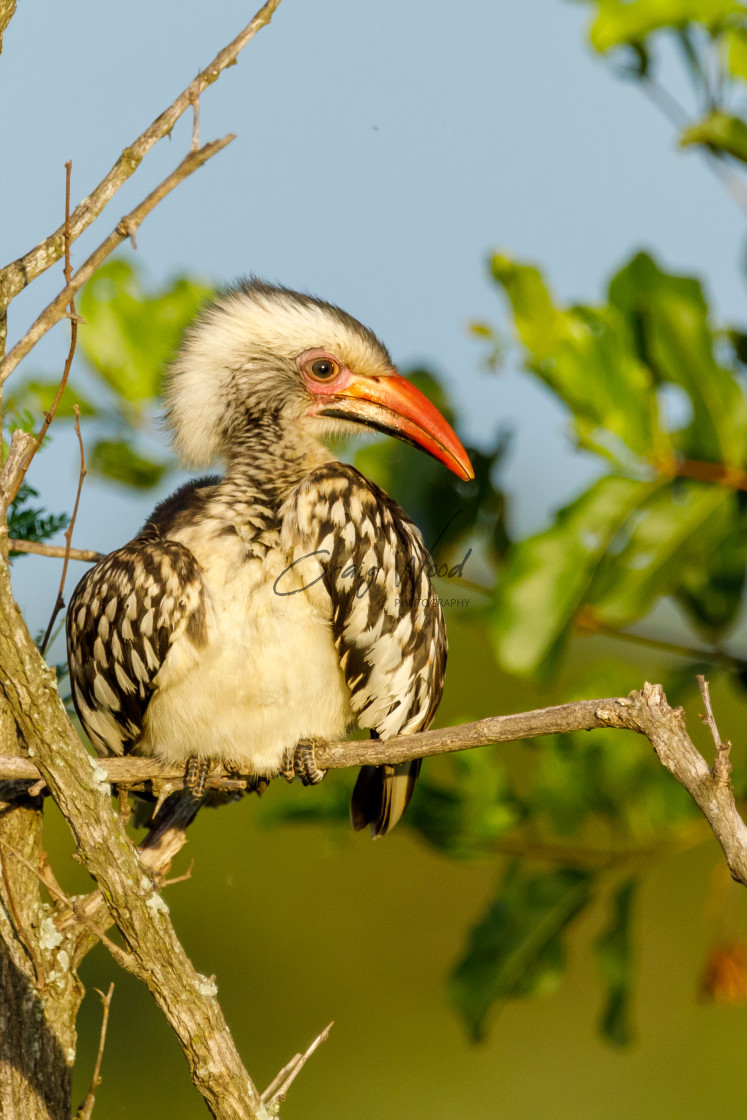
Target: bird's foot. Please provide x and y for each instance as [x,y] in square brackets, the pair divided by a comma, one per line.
[256,784]
[196,775]
[301,763]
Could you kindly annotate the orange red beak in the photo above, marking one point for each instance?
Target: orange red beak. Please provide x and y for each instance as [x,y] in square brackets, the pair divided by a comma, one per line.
[394,405]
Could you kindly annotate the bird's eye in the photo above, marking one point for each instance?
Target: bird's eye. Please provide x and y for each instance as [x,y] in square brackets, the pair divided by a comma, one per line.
[323,369]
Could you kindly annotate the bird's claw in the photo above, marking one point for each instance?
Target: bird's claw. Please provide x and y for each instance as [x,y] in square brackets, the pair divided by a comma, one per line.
[196,776]
[301,763]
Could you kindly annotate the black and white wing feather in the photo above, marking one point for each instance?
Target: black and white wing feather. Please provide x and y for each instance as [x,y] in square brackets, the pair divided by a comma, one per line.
[123,618]
[386,618]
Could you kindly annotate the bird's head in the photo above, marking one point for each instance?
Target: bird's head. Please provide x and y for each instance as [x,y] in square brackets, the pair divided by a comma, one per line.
[261,351]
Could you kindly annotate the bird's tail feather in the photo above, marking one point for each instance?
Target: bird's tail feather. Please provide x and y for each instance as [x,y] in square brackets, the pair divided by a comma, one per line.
[381,795]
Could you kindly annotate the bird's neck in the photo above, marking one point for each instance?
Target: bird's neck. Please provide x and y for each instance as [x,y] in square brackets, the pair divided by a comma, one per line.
[270,456]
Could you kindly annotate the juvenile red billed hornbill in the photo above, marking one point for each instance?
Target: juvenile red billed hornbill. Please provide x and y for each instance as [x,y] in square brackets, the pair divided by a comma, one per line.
[287,600]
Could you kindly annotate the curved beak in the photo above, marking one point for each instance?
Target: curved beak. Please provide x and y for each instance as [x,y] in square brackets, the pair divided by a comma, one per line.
[393,405]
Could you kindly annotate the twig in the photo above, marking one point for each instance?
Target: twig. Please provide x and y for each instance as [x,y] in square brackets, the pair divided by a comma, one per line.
[722,474]
[56,551]
[676,115]
[86,1109]
[125,228]
[587,622]
[578,716]
[196,121]
[23,937]
[67,271]
[121,957]
[16,275]
[59,605]
[722,761]
[20,446]
[166,838]
[276,1091]
[163,883]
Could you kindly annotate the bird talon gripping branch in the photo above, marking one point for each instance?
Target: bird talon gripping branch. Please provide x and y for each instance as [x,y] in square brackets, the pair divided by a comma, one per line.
[196,774]
[304,764]
[286,600]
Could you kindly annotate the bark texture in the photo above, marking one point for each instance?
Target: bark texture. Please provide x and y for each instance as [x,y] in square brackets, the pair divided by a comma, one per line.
[153,951]
[39,992]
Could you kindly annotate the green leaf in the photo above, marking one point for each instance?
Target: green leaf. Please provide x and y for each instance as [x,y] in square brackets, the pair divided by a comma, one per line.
[465,815]
[613,950]
[711,588]
[115,458]
[548,576]
[668,316]
[588,358]
[735,41]
[28,523]
[719,131]
[679,528]
[535,315]
[738,340]
[130,335]
[38,395]
[629,21]
[517,949]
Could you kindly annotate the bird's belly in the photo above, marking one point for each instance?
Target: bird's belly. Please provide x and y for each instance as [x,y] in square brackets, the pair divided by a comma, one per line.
[268,677]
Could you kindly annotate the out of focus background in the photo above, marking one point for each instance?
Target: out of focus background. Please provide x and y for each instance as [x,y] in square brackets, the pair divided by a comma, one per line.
[540,209]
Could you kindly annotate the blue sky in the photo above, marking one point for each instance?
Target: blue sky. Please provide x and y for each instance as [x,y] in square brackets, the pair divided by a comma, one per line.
[383,149]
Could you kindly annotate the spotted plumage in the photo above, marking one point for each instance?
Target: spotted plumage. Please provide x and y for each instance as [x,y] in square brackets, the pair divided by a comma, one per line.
[288,599]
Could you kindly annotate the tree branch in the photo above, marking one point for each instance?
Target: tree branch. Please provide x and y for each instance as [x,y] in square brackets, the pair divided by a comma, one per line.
[86,1109]
[155,954]
[16,275]
[127,227]
[56,551]
[130,771]
[645,712]
[60,601]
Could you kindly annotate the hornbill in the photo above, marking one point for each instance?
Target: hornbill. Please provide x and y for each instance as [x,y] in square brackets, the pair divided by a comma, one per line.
[288,599]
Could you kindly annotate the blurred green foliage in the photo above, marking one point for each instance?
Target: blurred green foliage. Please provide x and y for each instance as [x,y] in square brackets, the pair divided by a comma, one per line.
[126,341]
[654,389]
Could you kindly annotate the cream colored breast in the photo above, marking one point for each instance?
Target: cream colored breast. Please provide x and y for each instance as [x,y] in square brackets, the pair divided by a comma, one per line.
[268,677]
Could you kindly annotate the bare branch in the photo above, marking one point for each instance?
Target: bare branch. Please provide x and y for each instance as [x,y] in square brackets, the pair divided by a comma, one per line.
[127,227]
[120,957]
[28,943]
[16,275]
[276,1091]
[722,763]
[60,603]
[86,1109]
[646,712]
[131,771]
[56,551]
[15,465]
